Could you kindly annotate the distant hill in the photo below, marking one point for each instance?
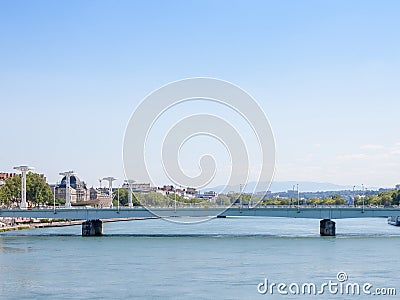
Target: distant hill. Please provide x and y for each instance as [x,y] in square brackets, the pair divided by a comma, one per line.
[283,186]
[307,186]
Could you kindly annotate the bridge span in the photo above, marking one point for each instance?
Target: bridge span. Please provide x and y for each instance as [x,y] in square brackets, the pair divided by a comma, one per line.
[94,215]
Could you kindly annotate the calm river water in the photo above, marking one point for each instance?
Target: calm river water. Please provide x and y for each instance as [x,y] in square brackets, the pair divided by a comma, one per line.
[219,259]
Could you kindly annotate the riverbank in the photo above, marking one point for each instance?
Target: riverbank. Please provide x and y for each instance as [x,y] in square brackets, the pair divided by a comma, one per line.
[36,224]
[39,223]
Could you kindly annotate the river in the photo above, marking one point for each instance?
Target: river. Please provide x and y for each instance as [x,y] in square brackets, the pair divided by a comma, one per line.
[219,259]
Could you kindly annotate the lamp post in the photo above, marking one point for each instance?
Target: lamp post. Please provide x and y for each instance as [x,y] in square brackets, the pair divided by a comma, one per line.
[23,170]
[291,198]
[130,182]
[118,198]
[363,203]
[365,194]
[68,175]
[54,198]
[298,199]
[110,181]
[175,199]
[240,195]
[354,196]
[181,192]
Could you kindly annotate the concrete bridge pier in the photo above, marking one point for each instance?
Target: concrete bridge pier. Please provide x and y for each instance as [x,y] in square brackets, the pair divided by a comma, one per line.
[327,227]
[92,228]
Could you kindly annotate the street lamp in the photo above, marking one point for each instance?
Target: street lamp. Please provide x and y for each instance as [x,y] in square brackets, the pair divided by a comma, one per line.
[110,181]
[118,197]
[23,170]
[68,175]
[240,195]
[298,199]
[291,198]
[54,197]
[130,182]
[175,199]
[365,194]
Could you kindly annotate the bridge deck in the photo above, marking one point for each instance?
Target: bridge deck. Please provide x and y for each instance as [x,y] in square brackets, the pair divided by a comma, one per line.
[139,212]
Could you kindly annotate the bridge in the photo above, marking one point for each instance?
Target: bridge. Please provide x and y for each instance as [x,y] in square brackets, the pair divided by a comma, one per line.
[93,225]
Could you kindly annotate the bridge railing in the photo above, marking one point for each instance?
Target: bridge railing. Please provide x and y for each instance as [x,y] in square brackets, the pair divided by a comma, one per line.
[210,205]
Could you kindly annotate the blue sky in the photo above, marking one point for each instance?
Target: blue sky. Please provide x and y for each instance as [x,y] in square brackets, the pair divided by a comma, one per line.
[325,72]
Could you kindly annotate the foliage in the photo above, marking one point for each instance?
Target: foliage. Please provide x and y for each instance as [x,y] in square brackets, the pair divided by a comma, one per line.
[124,197]
[61,201]
[37,190]
[223,200]
[11,191]
[157,199]
[382,199]
[151,199]
[338,200]
[243,198]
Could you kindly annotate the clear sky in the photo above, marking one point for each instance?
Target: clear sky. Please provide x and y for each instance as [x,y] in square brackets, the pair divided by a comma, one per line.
[326,73]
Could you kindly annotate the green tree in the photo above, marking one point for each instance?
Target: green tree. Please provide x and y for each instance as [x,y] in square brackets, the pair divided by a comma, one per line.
[5,195]
[37,190]
[223,200]
[11,191]
[388,198]
[328,201]
[338,200]
[245,198]
[178,198]
[373,200]
[358,200]
[315,201]
[61,201]
[151,199]
[395,198]
[275,201]
[124,197]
